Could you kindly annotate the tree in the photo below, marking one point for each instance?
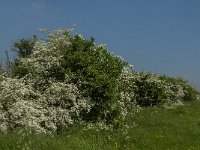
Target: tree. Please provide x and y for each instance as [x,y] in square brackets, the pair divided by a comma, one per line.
[1,69]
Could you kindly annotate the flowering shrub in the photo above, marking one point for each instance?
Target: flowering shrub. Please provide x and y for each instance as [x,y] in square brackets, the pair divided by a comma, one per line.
[92,68]
[23,106]
[59,81]
[179,90]
[147,89]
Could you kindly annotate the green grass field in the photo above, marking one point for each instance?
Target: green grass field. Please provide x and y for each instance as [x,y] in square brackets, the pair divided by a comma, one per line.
[154,129]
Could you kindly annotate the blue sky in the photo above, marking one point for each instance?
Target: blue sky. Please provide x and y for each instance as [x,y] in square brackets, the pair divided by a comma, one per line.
[161,36]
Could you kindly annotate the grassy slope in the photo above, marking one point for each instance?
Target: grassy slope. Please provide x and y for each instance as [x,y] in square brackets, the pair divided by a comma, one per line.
[169,129]
[155,129]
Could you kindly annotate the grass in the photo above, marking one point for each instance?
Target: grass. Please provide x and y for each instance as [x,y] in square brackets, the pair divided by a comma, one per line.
[154,129]
[169,129]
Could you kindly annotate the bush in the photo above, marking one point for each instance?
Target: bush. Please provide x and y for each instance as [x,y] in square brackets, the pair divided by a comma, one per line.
[59,81]
[148,89]
[181,87]
[144,88]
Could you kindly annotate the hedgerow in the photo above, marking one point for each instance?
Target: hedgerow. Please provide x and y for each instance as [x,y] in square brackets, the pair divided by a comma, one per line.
[65,79]
[148,89]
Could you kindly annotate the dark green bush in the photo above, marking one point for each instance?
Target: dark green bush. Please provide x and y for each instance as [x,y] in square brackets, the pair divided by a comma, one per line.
[149,91]
[97,70]
[23,48]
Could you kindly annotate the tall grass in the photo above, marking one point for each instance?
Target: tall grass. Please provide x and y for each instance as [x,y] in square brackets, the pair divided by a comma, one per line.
[154,128]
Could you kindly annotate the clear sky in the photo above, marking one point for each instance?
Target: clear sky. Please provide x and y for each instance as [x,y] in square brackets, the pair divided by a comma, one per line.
[160,36]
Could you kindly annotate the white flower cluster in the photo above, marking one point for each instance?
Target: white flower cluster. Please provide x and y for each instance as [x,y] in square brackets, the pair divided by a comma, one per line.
[48,53]
[127,101]
[23,106]
[43,58]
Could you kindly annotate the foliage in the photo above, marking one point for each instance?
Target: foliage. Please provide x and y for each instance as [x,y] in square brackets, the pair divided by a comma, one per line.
[1,69]
[97,71]
[24,47]
[5,65]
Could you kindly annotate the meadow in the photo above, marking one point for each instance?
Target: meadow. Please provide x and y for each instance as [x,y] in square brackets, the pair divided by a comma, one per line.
[150,129]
